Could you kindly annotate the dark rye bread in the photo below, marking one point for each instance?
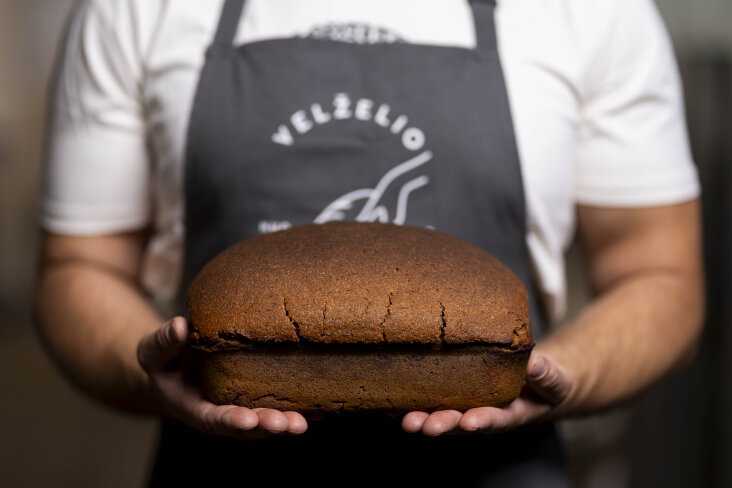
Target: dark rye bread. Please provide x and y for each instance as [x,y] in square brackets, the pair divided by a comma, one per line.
[359,316]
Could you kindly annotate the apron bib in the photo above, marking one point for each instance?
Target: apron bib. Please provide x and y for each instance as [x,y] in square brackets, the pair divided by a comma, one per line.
[293,131]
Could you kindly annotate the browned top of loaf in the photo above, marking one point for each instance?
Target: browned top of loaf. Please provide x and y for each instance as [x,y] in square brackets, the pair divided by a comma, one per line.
[357,283]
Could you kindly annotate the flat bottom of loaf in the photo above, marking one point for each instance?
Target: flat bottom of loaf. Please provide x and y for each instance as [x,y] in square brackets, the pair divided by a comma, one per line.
[353,379]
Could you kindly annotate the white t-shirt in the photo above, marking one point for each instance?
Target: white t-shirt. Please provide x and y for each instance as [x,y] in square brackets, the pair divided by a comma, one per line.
[593,88]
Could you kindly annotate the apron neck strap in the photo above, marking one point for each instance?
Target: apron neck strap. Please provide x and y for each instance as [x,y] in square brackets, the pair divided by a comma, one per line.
[228,22]
[485,25]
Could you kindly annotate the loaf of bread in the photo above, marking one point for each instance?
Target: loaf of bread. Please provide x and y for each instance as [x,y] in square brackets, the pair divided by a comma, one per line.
[359,316]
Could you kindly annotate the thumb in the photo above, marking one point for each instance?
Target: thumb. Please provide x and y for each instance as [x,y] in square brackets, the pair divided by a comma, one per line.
[157,349]
[548,379]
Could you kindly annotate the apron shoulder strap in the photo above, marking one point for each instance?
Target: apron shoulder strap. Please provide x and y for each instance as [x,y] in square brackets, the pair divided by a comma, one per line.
[228,22]
[485,26]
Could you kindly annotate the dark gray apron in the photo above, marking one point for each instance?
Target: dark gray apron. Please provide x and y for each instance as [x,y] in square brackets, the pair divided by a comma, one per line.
[292,131]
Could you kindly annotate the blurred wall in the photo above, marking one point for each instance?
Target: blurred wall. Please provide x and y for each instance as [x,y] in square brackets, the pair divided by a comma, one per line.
[52,435]
[29,30]
[701,26]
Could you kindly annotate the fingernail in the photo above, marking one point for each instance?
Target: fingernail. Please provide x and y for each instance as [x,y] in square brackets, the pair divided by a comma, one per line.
[539,367]
[173,332]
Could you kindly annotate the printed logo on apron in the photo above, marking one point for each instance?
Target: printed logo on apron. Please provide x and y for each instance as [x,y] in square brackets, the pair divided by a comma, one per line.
[355,32]
[362,204]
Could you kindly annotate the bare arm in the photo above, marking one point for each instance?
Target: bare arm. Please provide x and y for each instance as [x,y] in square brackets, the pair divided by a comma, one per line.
[111,343]
[91,315]
[646,318]
[645,267]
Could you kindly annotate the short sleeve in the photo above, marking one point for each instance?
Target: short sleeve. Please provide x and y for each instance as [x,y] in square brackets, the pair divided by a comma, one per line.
[633,147]
[96,169]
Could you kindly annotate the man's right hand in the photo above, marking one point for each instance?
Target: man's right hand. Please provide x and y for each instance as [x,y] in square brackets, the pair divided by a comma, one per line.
[159,354]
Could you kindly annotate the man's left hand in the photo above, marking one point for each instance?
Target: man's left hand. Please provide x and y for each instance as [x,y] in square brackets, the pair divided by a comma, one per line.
[547,387]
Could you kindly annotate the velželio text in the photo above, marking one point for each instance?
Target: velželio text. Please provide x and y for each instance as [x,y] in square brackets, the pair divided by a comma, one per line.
[343,108]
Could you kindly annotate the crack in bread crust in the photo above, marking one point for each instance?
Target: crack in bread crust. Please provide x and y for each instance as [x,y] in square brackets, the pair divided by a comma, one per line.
[352,282]
[359,316]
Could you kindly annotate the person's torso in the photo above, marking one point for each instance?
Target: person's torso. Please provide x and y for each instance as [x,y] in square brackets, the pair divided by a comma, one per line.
[290,131]
[542,71]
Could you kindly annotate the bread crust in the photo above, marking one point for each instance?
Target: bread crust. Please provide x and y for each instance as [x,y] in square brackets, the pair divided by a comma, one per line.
[355,317]
[357,283]
[353,379]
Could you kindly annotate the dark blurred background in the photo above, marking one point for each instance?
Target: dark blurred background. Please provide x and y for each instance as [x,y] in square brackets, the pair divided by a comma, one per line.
[678,434]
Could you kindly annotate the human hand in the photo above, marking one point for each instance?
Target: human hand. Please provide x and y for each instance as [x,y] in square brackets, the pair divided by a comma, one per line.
[161,354]
[547,386]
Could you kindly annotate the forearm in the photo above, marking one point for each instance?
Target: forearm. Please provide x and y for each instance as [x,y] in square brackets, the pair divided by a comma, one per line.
[634,333]
[91,320]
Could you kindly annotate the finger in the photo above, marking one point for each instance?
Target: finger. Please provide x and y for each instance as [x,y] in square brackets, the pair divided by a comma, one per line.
[238,422]
[271,421]
[413,421]
[224,420]
[235,420]
[441,422]
[548,379]
[491,419]
[296,423]
[157,349]
[187,405]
